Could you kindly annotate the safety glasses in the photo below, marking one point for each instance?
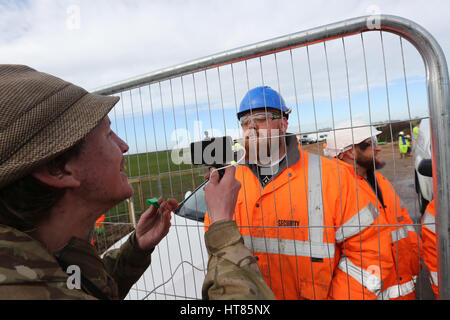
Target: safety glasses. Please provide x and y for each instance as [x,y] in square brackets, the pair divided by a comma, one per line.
[368,142]
[258,118]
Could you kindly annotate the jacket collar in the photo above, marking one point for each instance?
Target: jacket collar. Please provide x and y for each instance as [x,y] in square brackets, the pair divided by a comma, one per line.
[350,167]
[25,259]
[372,180]
[95,279]
[292,156]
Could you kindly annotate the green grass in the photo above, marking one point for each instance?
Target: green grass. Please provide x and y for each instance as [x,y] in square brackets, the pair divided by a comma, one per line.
[152,163]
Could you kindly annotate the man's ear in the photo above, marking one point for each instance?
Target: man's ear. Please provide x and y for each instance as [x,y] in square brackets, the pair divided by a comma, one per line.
[349,154]
[58,178]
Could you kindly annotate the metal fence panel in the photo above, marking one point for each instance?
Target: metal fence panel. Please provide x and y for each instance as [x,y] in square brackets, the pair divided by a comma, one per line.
[336,76]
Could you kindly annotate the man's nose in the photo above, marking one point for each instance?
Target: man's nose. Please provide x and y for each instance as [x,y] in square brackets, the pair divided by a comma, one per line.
[122,145]
[252,124]
[125,147]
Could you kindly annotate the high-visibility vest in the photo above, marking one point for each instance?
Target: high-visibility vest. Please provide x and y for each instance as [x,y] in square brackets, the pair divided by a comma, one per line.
[100,221]
[400,282]
[306,225]
[403,144]
[429,252]
[415,132]
[97,227]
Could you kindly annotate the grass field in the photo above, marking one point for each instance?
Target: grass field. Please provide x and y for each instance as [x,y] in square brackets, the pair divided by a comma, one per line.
[155,175]
[152,163]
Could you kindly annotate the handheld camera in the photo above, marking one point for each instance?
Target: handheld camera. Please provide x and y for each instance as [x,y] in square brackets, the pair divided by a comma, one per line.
[213,152]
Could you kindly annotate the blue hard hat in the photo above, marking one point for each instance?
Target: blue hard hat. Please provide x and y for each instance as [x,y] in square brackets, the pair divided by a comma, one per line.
[262,98]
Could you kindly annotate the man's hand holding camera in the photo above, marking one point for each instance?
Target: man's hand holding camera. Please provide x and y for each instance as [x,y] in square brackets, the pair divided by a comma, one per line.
[221,195]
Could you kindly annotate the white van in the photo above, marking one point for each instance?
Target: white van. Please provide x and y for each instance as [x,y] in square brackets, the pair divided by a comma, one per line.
[422,150]
[323,136]
[307,138]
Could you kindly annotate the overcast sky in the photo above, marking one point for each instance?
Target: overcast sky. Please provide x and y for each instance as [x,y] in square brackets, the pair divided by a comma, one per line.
[93,43]
[96,42]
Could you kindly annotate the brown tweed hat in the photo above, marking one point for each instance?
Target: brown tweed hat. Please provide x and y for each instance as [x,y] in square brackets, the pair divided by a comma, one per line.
[41,116]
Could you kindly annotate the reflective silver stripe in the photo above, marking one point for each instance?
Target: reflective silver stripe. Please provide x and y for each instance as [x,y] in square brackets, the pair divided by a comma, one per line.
[434,278]
[429,222]
[364,277]
[401,233]
[316,247]
[315,203]
[398,291]
[290,247]
[357,223]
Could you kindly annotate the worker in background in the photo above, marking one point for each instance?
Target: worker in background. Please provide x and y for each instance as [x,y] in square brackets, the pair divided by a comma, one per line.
[416,132]
[100,225]
[429,252]
[297,213]
[61,167]
[402,144]
[360,155]
[408,144]
[99,229]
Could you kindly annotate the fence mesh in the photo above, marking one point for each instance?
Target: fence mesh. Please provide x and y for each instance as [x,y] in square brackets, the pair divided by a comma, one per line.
[375,78]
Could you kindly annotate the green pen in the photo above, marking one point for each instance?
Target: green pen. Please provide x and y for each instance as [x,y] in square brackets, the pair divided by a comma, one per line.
[153,202]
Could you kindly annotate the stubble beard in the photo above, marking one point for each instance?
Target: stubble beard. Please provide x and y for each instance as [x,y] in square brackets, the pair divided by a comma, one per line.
[370,163]
[263,148]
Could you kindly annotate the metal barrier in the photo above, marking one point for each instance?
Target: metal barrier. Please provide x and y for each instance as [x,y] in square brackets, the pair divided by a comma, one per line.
[209,90]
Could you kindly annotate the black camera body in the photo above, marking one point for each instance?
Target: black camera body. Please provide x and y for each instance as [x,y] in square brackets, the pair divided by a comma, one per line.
[213,152]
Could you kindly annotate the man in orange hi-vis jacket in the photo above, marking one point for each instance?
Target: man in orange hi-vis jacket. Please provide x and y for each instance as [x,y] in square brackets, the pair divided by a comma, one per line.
[359,151]
[429,252]
[99,224]
[300,215]
[99,228]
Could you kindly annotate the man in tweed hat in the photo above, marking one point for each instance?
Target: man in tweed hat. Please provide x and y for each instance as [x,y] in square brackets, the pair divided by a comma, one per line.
[61,166]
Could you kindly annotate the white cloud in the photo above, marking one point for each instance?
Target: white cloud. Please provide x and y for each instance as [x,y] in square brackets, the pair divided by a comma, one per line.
[112,40]
[121,39]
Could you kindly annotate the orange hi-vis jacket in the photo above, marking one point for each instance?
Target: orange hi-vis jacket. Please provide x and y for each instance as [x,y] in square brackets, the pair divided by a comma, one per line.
[100,221]
[429,252]
[399,282]
[305,225]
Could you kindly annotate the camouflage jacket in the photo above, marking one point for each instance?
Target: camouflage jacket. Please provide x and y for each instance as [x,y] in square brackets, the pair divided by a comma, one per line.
[233,272]
[29,271]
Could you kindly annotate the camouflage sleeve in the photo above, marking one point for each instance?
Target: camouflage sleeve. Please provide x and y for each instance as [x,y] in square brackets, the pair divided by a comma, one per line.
[127,264]
[29,272]
[233,272]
